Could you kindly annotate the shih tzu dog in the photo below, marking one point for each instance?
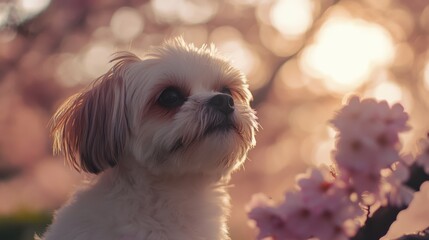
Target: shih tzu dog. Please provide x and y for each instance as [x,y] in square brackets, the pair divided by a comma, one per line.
[163,134]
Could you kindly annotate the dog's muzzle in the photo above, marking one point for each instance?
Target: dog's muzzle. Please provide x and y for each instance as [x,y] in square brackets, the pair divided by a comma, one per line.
[220,107]
[222,103]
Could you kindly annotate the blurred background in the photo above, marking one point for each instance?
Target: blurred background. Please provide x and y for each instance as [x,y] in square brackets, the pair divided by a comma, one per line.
[303,58]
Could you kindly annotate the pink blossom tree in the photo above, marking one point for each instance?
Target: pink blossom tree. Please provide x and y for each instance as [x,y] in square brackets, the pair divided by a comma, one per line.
[358,197]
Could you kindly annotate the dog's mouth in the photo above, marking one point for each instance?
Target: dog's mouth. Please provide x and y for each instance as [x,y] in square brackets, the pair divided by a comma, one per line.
[223,127]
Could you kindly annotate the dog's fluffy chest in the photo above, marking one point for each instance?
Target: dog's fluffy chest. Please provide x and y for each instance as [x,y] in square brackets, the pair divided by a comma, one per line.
[151,213]
[168,216]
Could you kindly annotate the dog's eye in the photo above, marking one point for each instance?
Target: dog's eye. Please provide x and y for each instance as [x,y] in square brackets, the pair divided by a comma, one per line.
[226,90]
[171,97]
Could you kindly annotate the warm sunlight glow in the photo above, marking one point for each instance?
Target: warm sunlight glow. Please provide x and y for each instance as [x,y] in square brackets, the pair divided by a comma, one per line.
[95,59]
[165,10]
[388,91]
[194,12]
[322,155]
[346,51]
[241,56]
[126,23]
[31,7]
[292,18]
[4,13]
[230,43]
[187,11]
[323,152]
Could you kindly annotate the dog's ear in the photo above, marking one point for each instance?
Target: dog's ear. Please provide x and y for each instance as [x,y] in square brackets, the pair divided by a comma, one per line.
[93,124]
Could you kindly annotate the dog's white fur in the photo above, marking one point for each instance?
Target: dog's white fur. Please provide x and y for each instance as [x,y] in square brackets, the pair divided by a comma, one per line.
[161,173]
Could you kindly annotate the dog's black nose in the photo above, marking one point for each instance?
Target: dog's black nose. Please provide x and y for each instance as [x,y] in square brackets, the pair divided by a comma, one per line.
[223,103]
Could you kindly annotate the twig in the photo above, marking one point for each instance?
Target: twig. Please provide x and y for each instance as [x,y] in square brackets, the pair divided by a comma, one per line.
[377,226]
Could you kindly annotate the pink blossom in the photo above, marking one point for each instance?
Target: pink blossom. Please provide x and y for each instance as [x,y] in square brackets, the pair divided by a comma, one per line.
[313,211]
[269,222]
[327,206]
[326,222]
[268,219]
[396,193]
[371,111]
[314,185]
[299,216]
[361,181]
[320,209]
[259,200]
[315,182]
[367,141]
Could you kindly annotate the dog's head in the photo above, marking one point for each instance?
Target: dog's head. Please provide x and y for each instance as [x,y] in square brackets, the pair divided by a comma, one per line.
[179,109]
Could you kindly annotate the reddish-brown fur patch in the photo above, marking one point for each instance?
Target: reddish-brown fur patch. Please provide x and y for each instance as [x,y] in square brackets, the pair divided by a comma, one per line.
[93,123]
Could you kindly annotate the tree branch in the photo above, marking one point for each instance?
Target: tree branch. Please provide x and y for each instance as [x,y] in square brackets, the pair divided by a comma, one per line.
[377,226]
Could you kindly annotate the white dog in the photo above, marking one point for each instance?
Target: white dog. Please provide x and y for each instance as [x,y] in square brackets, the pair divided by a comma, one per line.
[163,133]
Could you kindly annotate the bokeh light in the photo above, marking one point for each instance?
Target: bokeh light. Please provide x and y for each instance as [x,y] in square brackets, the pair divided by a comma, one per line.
[68,71]
[4,12]
[126,24]
[322,154]
[292,18]
[388,91]
[186,11]
[230,43]
[346,51]
[95,58]
[29,8]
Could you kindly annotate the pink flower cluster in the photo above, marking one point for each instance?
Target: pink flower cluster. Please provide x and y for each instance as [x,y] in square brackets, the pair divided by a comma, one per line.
[313,211]
[327,205]
[368,142]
